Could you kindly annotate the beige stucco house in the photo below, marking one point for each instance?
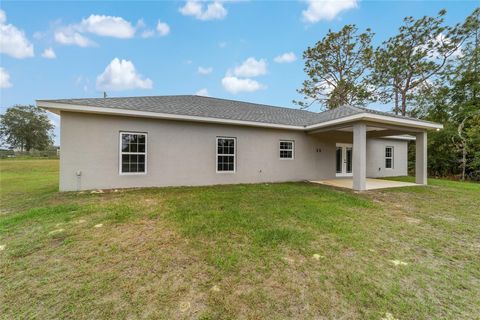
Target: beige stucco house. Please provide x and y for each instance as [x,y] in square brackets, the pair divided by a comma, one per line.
[194,140]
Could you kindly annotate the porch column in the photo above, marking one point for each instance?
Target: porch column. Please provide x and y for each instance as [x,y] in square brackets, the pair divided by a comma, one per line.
[359,156]
[421,158]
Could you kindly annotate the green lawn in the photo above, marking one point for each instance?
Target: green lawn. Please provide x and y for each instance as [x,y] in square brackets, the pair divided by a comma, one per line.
[275,251]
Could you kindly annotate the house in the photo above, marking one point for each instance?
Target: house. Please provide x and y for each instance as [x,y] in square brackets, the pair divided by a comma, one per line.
[193,140]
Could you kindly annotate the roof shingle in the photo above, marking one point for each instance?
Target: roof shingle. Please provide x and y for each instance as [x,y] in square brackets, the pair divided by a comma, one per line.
[199,106]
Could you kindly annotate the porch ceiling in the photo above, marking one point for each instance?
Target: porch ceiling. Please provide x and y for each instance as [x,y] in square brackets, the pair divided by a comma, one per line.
[374,130]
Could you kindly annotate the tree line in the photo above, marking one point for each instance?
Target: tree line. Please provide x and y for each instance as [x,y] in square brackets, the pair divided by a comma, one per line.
[428,70]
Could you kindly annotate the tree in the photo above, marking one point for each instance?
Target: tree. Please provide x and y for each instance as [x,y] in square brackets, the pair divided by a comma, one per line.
[409,60]
[454,100]
[26,127]
[336,68]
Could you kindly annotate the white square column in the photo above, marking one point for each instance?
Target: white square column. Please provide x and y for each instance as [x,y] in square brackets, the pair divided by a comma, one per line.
[421,158]
[359,156]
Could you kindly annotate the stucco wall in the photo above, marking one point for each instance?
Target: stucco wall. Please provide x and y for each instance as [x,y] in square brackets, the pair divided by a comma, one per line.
[183,154]
[376,158]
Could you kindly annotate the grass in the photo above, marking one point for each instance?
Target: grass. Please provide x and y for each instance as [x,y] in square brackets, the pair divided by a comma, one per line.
[291,250]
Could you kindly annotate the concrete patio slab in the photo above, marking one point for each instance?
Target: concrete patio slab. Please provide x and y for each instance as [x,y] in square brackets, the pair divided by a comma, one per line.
[372,184]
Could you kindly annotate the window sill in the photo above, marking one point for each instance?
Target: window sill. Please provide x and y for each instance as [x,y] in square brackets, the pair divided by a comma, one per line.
[133,173]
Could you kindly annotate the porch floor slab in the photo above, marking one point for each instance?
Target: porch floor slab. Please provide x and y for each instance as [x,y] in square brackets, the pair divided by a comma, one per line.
[372,184]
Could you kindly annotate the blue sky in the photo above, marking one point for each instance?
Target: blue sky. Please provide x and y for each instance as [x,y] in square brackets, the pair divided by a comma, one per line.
[223,49]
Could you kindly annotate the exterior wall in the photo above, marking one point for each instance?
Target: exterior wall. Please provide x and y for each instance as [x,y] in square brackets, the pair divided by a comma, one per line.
[183,153]
[376,158]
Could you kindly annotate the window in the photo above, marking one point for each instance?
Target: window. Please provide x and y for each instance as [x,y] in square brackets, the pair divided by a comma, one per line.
[226,154]
[286,149]
[133,153]
[389,157]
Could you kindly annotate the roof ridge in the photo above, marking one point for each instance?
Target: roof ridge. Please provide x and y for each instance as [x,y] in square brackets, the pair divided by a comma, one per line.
[385,113]
[257,104]
[196,96]
[345,106]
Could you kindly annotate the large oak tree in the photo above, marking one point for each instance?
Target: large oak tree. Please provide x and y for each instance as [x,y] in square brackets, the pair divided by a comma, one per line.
[26,128]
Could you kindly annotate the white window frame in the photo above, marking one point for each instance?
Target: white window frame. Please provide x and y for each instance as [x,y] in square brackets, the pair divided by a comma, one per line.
[234,154]
[391,157]
[280,149]
[120,153]
[343,159]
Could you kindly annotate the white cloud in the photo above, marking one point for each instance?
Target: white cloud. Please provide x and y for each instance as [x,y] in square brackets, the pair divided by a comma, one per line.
[212,11]
[202,92]
[49,53]
[235,85]
[251,68]
[163,28]
[83,82]
[205,70]
[121,75]
[285,58]
[326,9]
[148,33]
[140,24]
[191,8]
[107,26]
[13,41]
[100,25]
[3,17]
[70,37]
[4,78]
[54,119]
[238,80]
[38,35]
[222,44]
[326,86]
[443,42]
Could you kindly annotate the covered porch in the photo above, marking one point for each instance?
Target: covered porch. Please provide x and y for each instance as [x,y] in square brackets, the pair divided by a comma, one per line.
[370,184]
[354,133]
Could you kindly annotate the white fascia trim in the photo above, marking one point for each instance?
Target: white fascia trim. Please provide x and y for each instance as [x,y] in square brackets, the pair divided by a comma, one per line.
[377,118]
[57,107]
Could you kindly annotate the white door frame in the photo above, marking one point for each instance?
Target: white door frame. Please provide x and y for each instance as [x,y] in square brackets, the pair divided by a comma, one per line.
[344,147]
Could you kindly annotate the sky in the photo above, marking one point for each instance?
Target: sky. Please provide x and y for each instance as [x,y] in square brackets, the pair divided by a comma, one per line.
[242,50]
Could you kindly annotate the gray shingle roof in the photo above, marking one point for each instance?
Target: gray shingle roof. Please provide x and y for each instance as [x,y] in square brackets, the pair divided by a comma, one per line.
[199,106]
